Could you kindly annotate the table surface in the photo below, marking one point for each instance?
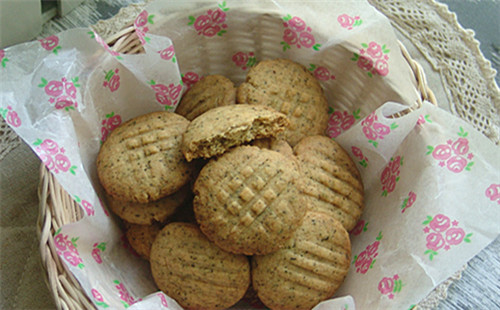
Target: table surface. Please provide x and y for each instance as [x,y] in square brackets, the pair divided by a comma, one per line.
[478,288]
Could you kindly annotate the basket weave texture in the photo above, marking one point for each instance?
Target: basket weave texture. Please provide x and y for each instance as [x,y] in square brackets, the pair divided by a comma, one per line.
[57,207]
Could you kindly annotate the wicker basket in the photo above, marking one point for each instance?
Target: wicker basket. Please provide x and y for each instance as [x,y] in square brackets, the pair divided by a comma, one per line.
[57,208]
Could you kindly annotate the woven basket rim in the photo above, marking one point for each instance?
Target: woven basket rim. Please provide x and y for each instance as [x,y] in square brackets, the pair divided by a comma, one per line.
[57,207]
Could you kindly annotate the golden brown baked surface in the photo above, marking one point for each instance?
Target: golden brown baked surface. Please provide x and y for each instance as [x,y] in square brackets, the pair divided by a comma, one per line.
[210,92]
[291,89]
[332,181]
[141,237]
[141,160]
[248,200]
[194,271]
[277,145]
[308,270]
[157,211]
[219,129]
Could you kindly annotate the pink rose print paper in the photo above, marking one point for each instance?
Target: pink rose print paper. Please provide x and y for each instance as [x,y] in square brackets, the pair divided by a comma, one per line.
[53,156]
[62,93]
[126,299]
[98,299]
[244,60]
[112,80]
[98,249]
[340,121]
[408,201]
[212,22]
[297,34]
[67,249]
[390,286]
[10,116]
[321,73]
[87,206]
[166,95]
[360,227]
[493,193]
[141,25]
[3,59]
[358,154]
[373,58]
[168,54]
[189,79]
[51,44]
[390,175]
[349,22]
[108,124]
[442,233]
[374,130]
[454,155]
[367,258]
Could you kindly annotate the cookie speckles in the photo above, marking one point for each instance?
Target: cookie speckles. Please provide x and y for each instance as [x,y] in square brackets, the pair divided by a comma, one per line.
[290,88]
[262,183]
[308,269]
[141,160]
[194,271]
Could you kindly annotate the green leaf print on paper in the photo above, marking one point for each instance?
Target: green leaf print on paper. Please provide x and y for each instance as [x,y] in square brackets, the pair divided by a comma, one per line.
[150,19]
[441,234]
[373,59]
[44,83]
[455,155]
[212,22]
[3,59]
[462,133]
[53,156]
[223,6]
[297,33]
[390,175]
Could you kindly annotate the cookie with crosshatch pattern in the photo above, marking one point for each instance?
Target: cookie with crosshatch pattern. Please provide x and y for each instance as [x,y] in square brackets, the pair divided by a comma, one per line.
[287,87]
[308,269]
[248,201]
[332,182]
[141,160]
[194,271]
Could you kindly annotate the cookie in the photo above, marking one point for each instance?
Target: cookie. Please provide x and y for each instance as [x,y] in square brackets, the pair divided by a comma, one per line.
[309,269]
[248,200]
[332,181]
[210,92]
[219,129]
[195,272]
[148,213]
[141,237]
[141,160]
[290,88]
[277,145]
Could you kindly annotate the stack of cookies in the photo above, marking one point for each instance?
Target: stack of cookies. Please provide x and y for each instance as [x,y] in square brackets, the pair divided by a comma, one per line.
[239,187]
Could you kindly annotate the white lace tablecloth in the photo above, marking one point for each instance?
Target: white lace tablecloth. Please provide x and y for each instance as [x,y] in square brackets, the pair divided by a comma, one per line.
[463,82]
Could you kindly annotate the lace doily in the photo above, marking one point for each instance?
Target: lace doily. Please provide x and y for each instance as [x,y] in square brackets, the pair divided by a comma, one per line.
[468,78]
